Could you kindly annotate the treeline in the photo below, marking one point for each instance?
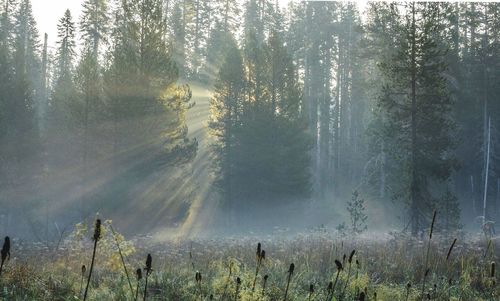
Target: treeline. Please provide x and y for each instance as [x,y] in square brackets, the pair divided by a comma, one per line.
[396,103]
[312,101]
[103,129]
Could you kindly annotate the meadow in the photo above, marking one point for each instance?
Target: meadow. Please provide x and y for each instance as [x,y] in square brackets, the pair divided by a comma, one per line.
[317,265]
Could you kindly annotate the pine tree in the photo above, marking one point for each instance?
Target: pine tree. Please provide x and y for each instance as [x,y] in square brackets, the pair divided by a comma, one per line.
[94,24]
[64,110]
[145,105]
[262,146]
[225,109]
[417,107]
[23,130]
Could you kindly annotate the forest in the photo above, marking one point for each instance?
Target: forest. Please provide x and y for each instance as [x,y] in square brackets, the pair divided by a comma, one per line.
[319,127]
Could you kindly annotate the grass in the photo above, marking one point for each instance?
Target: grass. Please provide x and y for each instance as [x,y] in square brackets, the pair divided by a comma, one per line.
[392,268]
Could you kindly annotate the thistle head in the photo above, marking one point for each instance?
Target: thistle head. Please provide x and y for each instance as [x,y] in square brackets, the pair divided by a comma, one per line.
[97,230]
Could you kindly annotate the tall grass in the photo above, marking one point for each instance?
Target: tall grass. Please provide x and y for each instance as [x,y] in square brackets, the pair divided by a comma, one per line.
[427,270]
[84,269]
[122,259]
[138,276]
[290,274]
[260,256]
[340,267]
[348,271]
[96,238]
[198,282]
[148,269]
[311,291]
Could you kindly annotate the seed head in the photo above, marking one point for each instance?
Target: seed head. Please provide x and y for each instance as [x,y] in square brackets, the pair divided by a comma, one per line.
[351,256]
[492,271]
[6,248]
[330,286]
[361,296]
[258,250]
[311,288]
[238,281]
[84,269]
[97,230]
[339,265]
[292,267]
[432,224]
[450,249]
[263,255]
[149,262]
[198,277]
[138,274]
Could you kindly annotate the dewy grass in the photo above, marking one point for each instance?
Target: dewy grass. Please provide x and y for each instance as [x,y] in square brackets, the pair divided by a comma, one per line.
[226,285]
[97,236]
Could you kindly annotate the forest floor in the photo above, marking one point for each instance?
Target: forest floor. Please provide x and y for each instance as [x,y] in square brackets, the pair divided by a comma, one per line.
[388,268]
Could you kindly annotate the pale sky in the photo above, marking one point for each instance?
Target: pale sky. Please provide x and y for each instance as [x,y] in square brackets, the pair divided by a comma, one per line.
[48,12]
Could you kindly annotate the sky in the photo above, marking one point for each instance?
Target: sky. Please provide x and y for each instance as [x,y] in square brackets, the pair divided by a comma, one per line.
[48,12]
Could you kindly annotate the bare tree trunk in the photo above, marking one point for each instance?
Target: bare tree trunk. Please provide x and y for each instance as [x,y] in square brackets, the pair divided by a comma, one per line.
[415,218]
[485,194]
